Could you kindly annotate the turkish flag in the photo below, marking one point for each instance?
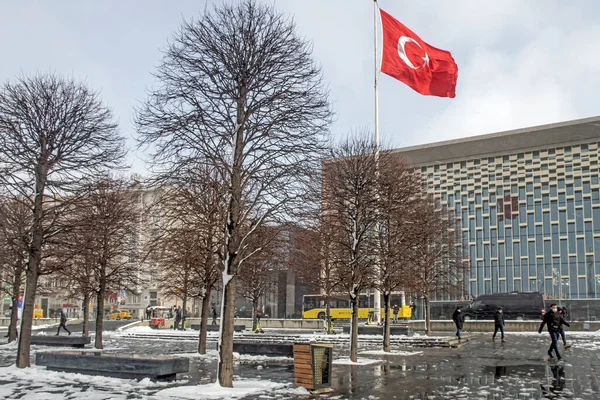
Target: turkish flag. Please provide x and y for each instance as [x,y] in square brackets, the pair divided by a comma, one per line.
[426,69]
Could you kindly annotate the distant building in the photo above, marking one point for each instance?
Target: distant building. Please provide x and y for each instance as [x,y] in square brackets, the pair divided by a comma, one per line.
[527,204]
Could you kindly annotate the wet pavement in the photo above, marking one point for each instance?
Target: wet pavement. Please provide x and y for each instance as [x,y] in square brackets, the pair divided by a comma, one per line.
[479,369]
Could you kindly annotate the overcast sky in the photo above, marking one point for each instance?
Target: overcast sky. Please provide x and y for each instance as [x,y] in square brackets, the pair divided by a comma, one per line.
[521,63]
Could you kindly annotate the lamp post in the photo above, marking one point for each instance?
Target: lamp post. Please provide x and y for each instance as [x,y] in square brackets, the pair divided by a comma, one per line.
[558,278]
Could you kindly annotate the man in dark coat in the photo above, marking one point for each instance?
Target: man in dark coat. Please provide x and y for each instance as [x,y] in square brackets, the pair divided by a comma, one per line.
[177,318]
[214,315]
[553,319]
[457,317]
[63,323]
[395,312]
[498,324]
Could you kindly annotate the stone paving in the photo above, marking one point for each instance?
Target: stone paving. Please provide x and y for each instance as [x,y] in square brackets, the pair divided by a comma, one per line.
[479,369]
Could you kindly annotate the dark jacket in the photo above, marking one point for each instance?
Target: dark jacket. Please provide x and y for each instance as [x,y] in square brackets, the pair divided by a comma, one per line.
[554,320]
[178,315]
[499,318]
[457,317]
[63,318]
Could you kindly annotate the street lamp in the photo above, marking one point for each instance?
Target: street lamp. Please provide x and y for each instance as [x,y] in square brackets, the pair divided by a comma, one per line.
[558,278]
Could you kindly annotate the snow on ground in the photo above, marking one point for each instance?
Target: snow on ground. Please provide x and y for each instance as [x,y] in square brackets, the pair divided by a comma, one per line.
[241,388]
[361,361]
[390,353]
[43,384]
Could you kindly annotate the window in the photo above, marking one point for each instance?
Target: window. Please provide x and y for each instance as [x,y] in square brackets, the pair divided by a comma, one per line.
[553,191]
[554,210]
[563,222]
[479,217]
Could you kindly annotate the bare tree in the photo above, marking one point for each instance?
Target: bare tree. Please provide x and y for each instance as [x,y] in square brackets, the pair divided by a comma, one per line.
[192,210]
[240,93]
[14,238]
[53,133]
[350,200]
[106,224]
[436,265]
[399,190]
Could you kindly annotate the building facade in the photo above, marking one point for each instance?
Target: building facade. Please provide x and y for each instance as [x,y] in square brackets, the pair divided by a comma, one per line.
[527,205]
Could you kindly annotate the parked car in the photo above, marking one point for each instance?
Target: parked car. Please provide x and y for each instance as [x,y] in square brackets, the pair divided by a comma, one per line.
[515,305]
[118,315]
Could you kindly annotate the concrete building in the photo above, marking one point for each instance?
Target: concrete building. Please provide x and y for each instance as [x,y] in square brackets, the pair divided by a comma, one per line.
[527,204]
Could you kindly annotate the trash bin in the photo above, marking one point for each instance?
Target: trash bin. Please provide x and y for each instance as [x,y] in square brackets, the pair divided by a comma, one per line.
[312,365]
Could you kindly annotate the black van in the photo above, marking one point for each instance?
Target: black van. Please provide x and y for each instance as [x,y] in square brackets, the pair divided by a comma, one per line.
[515,305]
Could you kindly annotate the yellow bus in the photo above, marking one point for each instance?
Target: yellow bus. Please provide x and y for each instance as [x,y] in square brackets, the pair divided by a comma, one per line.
[313,306]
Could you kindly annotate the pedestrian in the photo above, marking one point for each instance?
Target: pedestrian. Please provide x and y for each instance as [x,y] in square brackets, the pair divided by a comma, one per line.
[148,312]
[498,324]
[553,319]
[395,312]
[177,318]
[457,317]
[214,315]
[561,331]
[413,310]
[63,323]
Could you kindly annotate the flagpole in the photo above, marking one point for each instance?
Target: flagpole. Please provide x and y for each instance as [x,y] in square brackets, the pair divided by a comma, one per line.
[376,293]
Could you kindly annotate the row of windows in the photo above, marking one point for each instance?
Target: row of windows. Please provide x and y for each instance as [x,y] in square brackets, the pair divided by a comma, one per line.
[577,288]
[543,155]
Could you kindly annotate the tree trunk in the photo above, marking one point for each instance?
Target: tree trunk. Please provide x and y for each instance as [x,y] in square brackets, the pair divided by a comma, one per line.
[184,308]
[328,323]
[204,322]
[24,347]
[99,317]
[33,266]
[354,329]
[386,321]
[14,311]
[86,315]
[233,241]
[427,316]
[225,368]
[253,315]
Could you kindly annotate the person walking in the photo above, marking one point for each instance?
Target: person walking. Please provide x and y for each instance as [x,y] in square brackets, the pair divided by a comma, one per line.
[148,312]
[177,318]
[457,317]
[561,331]
[395,313]
[214,315]
[63,323]
[553,319]
[413,310]
[498,324]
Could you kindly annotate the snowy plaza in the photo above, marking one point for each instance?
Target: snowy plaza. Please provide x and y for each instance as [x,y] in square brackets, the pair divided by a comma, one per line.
[478,369]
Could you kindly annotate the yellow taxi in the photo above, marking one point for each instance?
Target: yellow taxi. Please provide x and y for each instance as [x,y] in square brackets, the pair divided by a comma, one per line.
[38,313]
[118,314]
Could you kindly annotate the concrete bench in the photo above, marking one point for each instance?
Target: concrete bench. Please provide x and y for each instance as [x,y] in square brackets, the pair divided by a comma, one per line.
[215,328]
[114,365]
[65,341]
[378,330]
[264,349]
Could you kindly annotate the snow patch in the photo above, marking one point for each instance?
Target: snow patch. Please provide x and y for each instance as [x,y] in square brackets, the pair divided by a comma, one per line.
[239,390]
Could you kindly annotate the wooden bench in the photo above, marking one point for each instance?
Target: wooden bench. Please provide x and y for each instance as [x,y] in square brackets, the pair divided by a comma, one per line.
[114,365]
[64,341]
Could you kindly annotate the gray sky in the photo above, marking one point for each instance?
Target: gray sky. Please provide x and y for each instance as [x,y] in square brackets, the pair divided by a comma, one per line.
[521,63]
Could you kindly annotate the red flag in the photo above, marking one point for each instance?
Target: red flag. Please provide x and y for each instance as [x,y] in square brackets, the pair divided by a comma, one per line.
[409,59]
